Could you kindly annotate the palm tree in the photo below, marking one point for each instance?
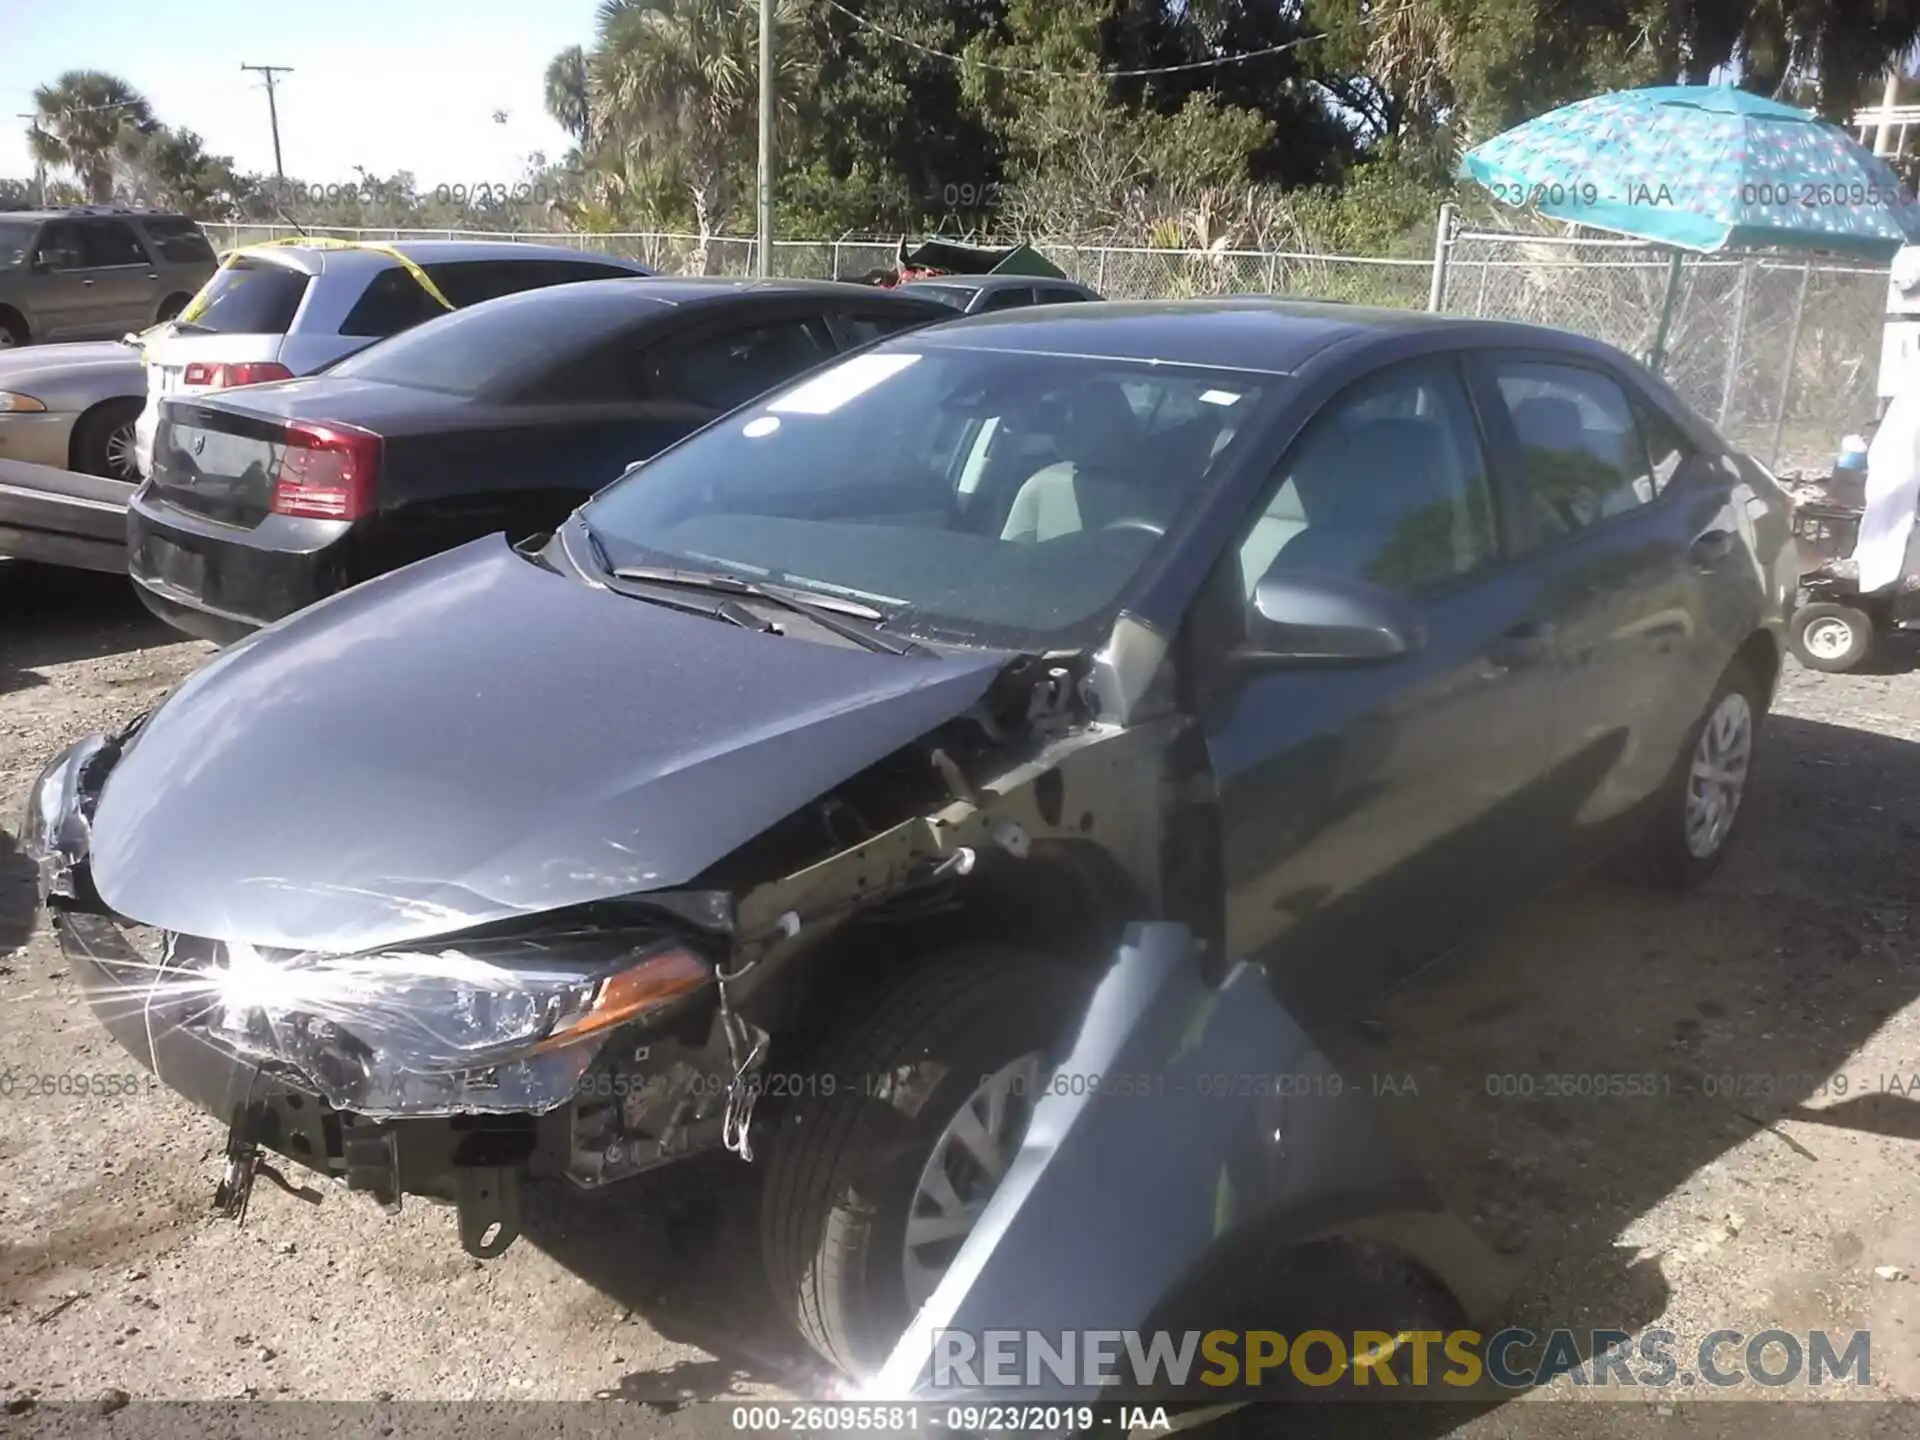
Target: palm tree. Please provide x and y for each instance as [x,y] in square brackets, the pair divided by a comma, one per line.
[78,122]
[569,101]
[680,79]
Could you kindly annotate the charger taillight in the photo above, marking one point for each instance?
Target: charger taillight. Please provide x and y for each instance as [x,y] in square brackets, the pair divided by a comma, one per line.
[327,472]
[226,377]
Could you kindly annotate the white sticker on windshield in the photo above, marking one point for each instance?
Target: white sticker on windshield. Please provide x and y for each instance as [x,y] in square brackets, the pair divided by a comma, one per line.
[827,393]
[760,425]
[1219,397]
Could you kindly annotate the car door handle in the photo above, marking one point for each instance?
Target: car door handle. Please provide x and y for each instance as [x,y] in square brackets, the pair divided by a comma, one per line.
[1710,548]
[1524,645]
[86,282]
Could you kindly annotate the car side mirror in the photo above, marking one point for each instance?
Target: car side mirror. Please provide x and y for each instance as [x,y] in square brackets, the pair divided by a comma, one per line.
[1305,618]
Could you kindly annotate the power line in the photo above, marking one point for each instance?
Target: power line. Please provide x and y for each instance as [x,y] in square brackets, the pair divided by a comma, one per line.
[273,111]
[1045,74]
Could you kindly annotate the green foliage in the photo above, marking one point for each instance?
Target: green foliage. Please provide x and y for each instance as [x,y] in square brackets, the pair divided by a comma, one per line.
[78,122]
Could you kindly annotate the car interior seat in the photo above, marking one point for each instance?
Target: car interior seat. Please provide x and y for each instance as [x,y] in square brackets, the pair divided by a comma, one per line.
[1097,482]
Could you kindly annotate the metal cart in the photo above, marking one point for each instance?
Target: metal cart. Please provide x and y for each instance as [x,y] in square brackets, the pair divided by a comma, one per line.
[1834,627]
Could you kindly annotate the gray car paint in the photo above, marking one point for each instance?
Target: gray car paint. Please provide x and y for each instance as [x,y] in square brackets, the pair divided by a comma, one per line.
[1143,1174]
[62,517]
[520,743]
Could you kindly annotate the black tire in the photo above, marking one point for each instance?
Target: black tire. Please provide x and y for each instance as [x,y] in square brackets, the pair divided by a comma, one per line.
[13,330]
[843,1167]
[1669,861]
[170,307]
[1843,636]
[93,438]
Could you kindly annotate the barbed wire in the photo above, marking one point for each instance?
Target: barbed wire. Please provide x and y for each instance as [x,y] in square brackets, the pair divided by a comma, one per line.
[1042,73]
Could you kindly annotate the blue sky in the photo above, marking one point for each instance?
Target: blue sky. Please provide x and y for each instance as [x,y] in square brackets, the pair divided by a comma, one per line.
[388,84]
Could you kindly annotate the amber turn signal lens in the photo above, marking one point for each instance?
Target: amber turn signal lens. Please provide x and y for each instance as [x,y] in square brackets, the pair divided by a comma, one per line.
[651,983]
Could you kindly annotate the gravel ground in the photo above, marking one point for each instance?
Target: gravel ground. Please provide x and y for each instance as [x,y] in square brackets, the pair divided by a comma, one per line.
[1784,1205]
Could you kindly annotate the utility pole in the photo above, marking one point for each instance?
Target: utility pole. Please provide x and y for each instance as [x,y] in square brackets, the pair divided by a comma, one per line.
[39,165]
[764,250]
[273,114]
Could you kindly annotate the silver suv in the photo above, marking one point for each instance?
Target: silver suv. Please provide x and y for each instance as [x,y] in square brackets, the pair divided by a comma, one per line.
[94,273]
[278,311]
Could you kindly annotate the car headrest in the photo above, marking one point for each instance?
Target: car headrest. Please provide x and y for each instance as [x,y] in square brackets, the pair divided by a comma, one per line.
[1550,422]
[1375,468]
[1101,428]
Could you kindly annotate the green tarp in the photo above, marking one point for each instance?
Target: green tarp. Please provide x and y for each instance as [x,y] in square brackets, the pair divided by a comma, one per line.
[957,258]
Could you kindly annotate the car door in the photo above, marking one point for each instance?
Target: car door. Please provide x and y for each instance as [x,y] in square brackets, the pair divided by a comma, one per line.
[61,289]
[120,280]
[1370,814]
[1627,525]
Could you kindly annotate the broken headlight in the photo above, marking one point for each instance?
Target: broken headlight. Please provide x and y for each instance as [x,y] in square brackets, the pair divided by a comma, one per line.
[495,1026]
[54,831]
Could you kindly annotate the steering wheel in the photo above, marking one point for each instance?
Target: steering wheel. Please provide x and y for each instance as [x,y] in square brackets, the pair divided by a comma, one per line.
[1135,522]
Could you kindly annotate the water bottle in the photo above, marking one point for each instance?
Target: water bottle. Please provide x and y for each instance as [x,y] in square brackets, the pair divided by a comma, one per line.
[1853,454]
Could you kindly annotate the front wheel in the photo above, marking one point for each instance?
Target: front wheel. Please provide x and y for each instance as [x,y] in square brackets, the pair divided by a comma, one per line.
[1829,637]
[874,1181]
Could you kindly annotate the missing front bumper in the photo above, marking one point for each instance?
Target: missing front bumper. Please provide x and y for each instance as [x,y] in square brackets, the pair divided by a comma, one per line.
[475,1162]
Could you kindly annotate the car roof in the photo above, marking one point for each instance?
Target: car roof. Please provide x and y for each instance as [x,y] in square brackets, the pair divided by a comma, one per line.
[91,212]
[681,291]
[377,255]
[1262,333]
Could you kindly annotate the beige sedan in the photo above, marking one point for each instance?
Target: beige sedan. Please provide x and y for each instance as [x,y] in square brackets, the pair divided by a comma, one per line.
[67,469]
[72,406]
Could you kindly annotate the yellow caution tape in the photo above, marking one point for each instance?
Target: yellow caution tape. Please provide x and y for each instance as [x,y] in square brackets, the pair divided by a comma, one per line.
[197,305]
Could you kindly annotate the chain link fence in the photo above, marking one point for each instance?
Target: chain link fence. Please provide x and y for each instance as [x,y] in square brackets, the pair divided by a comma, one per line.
[1782,351]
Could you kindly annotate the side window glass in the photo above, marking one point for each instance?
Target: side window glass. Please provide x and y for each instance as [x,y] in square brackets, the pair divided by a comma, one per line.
[1582,457]
[110,242]
[1667,448]
[60,246]
[864,329]
[1010,298]
[726,370]
[1388,484]
[393,301]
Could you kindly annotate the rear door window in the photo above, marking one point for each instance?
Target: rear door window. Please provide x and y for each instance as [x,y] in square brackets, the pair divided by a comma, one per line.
[251,297]
[178,240]
[1057,295]
[106,243]
[1582,455]
[722,371]
[865,329]
[61,247]
[396,301]
[1011,298]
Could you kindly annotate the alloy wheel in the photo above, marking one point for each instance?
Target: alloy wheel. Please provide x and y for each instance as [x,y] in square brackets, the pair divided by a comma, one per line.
[122,463]
[968,1161]
[1717,779]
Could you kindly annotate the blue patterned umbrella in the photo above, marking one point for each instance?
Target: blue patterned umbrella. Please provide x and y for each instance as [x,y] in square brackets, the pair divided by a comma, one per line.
[1701,167]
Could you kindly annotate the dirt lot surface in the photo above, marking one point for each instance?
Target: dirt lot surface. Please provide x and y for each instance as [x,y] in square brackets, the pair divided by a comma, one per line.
[1782,1204]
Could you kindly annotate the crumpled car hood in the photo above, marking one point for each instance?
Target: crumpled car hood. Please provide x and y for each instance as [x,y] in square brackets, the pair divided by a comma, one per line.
[473,738]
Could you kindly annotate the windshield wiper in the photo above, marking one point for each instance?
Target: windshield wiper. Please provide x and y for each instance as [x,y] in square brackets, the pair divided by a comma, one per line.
[731,611]
[824,611]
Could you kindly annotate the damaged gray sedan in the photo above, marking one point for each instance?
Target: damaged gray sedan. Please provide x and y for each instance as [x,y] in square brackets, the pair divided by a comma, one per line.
[795,796]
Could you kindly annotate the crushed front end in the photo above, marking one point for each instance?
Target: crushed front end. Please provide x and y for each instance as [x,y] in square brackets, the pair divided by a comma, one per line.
[589,1048]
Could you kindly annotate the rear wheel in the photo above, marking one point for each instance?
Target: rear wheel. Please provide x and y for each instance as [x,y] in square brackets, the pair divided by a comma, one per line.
[103,441]
[1830,637]
[169,308]
[1703,799]
[13,329]
[875,1181]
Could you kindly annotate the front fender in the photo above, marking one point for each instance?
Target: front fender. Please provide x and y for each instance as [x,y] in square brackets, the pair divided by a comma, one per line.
[1117,1199]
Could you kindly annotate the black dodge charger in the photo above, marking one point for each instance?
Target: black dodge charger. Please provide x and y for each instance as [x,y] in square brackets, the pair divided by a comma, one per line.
[498,417]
